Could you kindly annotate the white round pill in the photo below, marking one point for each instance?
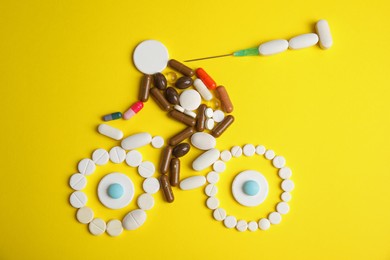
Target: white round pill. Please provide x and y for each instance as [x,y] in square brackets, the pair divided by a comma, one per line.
[78,199]
[230,221]
[157,142]
[86,166]
[134,219]
[100,156]
[279,161]
[219,214]
[146,169]
[97,226]
[114,227]
[286,196]
[117,154]
[84,215]
[210,124]
[242,225]
[287,185]
[253,226]
[275,218]
[179,108]
[260,149]
[190,113]
[209,112]
[150,57]
[133,158]
[212,203]
[249,150]
[121,186]
[252,177]
[236,151]
[218,116]
[151,185]
[190,99]
[219,166]
[282,208]
[211,190]
[77,181]
[264,224]
[145,201]
[285,173]
[212,177]
[269,154]
[226,155]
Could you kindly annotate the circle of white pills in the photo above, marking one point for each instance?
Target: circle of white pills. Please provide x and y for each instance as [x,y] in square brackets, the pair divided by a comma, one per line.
[211,190]
[269,154]
[78,181]
[260,150]
[212,203]
[100,156]
[249,150]
[158,142]
[253,226]
[264,224]
[151,185]
[218,116]
[282,208]
[86,166]
[78,199]
[286,196]
[219,214]
[84,215]
[285,173]
[133,158]
[226,155]
[150,57]
[97,226]
[145,201]
[230,221]
[275,218]
[117,154]
[236,151]
[279,161]
[242,225]
[287,185]
[219,166]
[212,177]
[114,227]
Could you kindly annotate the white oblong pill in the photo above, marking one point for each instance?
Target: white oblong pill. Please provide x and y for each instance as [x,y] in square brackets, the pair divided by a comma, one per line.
[150,57]
[97,226]
[146,169]
[226,155]
[287,185]
[269,154]
[286,196]
[219,214]
[212,177]
[134,219]
[230,221]
[158,142]
[260,149]
[285,173]
[205,160]
[78,181]
[210,124]
[209,112]
[323,30]
[110,131]
[212,203]
[133,158]
[264,224]
[253,226]
[145,201]
[211,190]
[100,156]
[179,108]
[86,166]
[78,199]
[114,227]
[249,150]
[242,225]
[151,185]
[279,161]
[117,154]
[190,99]
[192,182]
[273,47]
[218,116]
[236,151]
[84,215]
[275,218]
[202,89]
[219,166]
[282,208]
[203,141]
[136,141]
[190,113]
[303,41]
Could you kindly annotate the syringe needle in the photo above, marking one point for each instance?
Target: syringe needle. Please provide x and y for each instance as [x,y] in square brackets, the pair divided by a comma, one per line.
[211,57]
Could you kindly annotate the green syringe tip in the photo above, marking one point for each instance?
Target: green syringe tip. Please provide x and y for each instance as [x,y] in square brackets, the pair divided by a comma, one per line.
[247,52]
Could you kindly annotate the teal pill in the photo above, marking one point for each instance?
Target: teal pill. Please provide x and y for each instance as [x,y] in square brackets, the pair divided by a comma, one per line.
[115,191]
[251,188]
[112,116]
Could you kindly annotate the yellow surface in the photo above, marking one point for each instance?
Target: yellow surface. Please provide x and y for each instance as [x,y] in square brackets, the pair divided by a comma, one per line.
[64,64]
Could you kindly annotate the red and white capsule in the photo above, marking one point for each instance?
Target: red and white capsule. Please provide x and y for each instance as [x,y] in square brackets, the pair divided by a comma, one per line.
[134,109]
[207,80]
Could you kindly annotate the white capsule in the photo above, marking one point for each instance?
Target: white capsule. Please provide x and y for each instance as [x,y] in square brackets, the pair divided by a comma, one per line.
[136,141]
[273,47]
[192,182]
[203,90]
[324,34]
[303,41]
[110,131]
[205,160]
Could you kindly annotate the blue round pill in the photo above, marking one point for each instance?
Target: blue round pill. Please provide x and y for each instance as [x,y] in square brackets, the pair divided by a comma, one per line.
[115,191]
[251,188]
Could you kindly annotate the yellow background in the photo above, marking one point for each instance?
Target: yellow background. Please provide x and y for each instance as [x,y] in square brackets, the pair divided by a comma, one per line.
[64,64]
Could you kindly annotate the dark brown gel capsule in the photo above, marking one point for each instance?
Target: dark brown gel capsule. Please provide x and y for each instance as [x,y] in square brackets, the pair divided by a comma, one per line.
[221,127]
[160,81]
[166,187]
[172,96]
[180,67]
[180,150]
[144,89]
[174,171]
[166,159]
[160,99]
[223,96]
[201,119]
[183,118]
[178,138]
[184,82]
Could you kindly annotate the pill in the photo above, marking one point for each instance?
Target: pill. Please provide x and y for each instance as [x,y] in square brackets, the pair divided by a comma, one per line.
[285,173]
[303,41]
[282,208]
[218,116]
[219,166]
[273,47]
[184,82]
[207,80]
[110,131]
[115,190]
[112,116]
[146,83]
[133,158]
[219,214]
[212,203]
[211,190]
[159,98]
[165,159]
[210,124]
[286,196]
[275,218]
[78,181]
[190,113]
[249,150]
[158,142]
[146,169]
[170,76]
[179,108]
[250,188]
[172,96]
[269,154]
[100,156]
[209,112]
[134,219]
[84,215]
[114,227]
[145,201]
[230,221]
[203,90]
[279,161]
[203,141]
[136,141]
[97,226]
[182,118]
[287,185]
[253,226]
[78,199]
[86,166]
[180,150]
[264,224]
[150,57]
[324,34]
[134,109]
[221,127]
[190,99]
[117,154]
[174,174]
[200,120]
[181,136]
[192,182]
[226,155]
[236,151]
[160,81]
[205,160]
[212,177]
[260,149]
[223,96]
[242,225]
[151,185]
[180,67]
[167,189]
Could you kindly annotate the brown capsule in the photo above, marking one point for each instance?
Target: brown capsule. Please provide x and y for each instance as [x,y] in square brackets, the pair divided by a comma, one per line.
[184,82]
[160,81]
[201,119]
[172,96]
[183,118]
[160,99]
[221,127]
[223,96]
[180,150]
[181,136]
[166,187]
[166,159]
[180,67]
[174,171]
[144,89]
